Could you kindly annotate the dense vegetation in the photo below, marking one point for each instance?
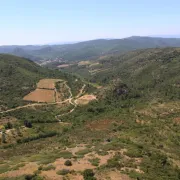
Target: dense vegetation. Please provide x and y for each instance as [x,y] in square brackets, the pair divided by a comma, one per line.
[151,73]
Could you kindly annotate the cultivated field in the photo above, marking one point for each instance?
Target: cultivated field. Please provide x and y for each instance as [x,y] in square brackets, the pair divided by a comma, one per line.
[47,83]
[40,95]
[45,91]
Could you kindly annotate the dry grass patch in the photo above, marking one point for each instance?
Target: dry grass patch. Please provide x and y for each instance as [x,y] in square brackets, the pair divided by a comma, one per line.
[27,169]
[5,120]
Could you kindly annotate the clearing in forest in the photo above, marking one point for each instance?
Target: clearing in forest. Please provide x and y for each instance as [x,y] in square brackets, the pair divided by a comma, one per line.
[85,99]
[41,95]
[47,83]
[45,92]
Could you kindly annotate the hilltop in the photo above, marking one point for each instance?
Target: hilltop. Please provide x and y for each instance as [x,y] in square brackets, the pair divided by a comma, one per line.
[88,49]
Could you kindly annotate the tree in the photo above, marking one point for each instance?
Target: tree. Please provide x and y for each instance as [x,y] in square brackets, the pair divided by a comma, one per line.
[27,124]
[68,163]
[88,174]
[3,137]
[8,125]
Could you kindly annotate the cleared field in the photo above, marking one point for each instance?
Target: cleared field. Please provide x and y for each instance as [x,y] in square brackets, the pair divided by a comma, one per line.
[84,63]
[47,83]
[85,99]
[64,65]
[40,95]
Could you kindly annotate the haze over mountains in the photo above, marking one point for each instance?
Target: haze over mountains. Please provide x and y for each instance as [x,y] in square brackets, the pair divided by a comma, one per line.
[88,49]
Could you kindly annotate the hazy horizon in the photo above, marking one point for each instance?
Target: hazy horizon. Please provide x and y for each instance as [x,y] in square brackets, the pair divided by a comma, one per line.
[51,22]
[74,42]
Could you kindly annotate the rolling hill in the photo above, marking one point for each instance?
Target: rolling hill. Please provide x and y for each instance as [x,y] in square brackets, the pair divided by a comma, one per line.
[88,49]
[153,72]
[130,132]
[18,77]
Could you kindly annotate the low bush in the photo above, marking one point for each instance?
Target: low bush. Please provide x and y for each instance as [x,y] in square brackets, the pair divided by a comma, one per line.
[68,163]
[47,168]
[63,172]
[88,174]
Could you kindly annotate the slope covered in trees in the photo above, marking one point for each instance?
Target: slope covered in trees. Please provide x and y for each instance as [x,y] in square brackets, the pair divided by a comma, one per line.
[133,128]
[149,72]
[18,77]
[88,49]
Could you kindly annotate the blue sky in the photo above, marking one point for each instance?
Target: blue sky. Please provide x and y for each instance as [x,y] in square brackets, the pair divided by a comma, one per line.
[49,21]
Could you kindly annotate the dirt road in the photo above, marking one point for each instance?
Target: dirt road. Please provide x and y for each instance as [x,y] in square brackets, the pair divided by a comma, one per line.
[70,99]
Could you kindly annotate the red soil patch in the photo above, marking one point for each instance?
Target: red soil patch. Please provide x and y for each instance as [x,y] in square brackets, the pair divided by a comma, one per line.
[100,125]
[77,165]
[40,95]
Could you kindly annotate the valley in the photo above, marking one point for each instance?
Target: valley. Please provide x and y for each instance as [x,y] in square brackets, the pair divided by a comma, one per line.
[114,117]
[89,90]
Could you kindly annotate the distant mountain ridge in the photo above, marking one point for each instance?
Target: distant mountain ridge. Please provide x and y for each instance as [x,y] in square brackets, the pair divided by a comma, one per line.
[89,49]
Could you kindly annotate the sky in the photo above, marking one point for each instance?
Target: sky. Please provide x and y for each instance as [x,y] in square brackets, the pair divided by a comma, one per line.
[55,21]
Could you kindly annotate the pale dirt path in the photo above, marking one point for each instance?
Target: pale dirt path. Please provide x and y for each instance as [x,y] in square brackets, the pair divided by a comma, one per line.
[81,91]
[70,99]
[40,104]
[33,105]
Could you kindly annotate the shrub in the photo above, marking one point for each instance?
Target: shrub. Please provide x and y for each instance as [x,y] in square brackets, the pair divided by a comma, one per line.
[47,168]
[88,174]
[8,125]
[68,163]
[27,124]
[63,172]
[29,177]
[33,177]
[94,161]
[114,162]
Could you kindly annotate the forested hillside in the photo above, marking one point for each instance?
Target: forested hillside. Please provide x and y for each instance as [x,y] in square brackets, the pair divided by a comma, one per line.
[18,77]
[130,130]
[149,72]
[88,49]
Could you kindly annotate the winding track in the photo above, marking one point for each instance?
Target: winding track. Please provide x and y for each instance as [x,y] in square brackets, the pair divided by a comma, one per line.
[71,100]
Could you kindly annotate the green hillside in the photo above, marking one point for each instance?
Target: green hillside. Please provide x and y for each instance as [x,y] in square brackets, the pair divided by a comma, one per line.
[131,131]
[150,72]
[18,77]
